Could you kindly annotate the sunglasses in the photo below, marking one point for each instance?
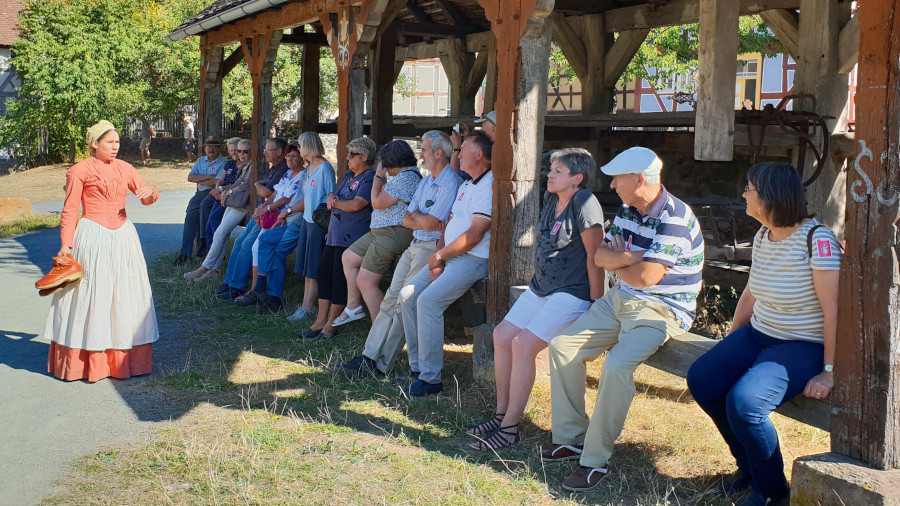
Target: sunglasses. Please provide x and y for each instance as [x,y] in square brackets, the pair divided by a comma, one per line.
[351,154]
[243,151]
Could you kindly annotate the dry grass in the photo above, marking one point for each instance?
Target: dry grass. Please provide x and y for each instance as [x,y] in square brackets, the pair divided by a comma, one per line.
[271,423]
[46,183]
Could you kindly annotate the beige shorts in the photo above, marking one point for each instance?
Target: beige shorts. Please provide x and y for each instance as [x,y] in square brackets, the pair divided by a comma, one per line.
[380,246]
[145,144]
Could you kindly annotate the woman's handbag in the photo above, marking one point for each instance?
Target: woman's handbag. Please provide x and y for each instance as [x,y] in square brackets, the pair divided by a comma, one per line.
[268,220]
[322,216]
[238,198]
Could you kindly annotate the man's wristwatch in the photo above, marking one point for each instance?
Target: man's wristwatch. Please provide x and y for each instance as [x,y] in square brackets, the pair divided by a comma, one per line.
[219,187]
[290,210]
[268,207]
[828,368]
[230,192]
[437,256]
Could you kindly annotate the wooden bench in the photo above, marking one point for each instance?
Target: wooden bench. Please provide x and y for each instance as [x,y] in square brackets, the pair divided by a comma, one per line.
[674,357]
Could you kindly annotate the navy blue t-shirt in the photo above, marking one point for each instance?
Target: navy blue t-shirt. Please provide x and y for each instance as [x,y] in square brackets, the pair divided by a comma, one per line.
[346,227]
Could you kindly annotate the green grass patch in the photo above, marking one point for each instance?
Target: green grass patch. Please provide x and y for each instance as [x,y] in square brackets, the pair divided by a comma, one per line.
[30,224]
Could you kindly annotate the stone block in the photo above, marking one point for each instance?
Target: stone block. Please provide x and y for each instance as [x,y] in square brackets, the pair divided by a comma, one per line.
[829,479]
[14,209]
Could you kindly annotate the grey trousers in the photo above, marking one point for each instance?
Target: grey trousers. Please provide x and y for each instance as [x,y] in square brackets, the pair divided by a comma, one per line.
[386,336]
[424,301]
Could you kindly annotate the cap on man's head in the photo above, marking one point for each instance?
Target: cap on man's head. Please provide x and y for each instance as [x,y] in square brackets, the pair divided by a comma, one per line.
[212,141]
[635,160]
[491,116]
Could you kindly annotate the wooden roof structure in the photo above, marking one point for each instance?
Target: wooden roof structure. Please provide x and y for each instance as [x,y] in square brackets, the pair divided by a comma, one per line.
[506,43]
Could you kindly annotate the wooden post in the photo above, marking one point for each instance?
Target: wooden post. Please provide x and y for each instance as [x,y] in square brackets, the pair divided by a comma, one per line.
[866,418]
[465,73]
[383,96]
[357,96]
[309,79]
[259,53]
[209,117]
[714,137]
[820,26]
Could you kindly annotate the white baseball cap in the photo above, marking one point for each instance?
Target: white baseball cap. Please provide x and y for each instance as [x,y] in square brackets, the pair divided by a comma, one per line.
[635,160]
[491,116]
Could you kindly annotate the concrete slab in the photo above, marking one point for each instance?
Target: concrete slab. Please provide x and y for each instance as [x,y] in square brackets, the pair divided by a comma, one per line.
[829,479]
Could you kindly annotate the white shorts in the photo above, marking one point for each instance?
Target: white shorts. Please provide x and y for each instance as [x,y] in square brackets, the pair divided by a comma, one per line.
[546,317]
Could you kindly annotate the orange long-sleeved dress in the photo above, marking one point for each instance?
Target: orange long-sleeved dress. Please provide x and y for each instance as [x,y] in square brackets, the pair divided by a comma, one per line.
[104,325]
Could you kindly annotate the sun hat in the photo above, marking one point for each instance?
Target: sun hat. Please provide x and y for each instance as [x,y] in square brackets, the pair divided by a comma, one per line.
[634,160]
[212,141]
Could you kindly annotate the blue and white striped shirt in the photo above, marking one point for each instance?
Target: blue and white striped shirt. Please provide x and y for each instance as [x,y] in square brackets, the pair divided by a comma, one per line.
[668,234]
[435,196]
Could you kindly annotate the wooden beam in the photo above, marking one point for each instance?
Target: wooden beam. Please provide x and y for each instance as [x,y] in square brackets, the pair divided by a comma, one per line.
[383,92]
[716,77]
[785,24]
[305,39]
[678,12]
[309,79]
[291,15]
[568,35]
[417,12]
[475,43]
[458,65]
[867,366]
[490,75]
[434,30]
[452,12]
[621,53]
[848,46]
[233,59]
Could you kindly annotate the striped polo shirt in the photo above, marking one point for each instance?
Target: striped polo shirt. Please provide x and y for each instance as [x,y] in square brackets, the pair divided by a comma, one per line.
[668,234]
[781,281]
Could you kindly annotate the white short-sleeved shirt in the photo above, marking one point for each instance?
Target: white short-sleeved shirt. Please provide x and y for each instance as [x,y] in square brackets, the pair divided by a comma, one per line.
[189,131]
[781,281]
[474,198]
[287,187]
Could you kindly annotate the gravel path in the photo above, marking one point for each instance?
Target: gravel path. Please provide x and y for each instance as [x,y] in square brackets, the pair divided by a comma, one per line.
[47,423]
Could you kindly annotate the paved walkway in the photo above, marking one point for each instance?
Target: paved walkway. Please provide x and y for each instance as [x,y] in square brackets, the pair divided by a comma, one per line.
[46,423]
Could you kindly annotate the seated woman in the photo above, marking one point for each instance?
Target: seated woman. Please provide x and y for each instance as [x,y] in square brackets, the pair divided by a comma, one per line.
[351,213]
[320,182]
[235,210]
[371,256]
[571,229]
[783,335]
[276,203]
[216,196]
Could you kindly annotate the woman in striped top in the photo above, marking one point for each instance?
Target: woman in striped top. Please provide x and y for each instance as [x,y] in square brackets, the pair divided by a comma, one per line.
[783,335]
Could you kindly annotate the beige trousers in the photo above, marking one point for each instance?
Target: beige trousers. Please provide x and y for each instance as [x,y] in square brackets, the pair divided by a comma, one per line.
[386,337]
[632,329]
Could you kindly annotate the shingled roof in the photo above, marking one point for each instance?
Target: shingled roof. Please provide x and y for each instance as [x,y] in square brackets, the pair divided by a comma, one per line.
[9,11]
[208,19]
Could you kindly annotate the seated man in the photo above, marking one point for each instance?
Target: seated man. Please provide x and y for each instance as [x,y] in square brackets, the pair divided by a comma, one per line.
[240,263]
[428,209]
[655,248]
[461,259]
[205,174]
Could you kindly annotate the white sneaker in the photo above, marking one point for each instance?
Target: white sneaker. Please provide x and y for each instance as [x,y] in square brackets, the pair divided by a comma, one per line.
[196,273]
[302,313]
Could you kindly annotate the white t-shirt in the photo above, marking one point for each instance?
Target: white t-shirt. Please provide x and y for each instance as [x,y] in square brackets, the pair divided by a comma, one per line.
[189,131]
[473,199]
[781,281]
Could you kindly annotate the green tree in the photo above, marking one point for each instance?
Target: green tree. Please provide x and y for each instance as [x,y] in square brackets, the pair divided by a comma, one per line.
[81,61]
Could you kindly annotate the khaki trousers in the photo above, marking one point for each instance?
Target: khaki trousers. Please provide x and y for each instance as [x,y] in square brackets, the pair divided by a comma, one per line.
[386,337]
[632,329]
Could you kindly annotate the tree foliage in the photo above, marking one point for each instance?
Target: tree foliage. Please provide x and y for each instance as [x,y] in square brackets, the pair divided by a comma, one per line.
[81,61]
[673,50]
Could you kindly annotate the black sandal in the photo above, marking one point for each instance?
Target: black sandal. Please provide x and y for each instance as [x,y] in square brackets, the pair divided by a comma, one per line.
[487,426]
[496,440]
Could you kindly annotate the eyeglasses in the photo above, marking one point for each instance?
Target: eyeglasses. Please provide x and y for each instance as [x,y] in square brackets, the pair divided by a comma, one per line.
[243,151]
[272,150]
[747,189]
[351,154]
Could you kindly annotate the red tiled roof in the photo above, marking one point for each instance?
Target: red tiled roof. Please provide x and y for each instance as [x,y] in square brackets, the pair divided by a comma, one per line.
[9,10]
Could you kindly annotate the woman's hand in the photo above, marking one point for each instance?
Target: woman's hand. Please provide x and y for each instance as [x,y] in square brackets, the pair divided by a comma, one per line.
[144,192]
[380,170]
[820,386]
[65,250]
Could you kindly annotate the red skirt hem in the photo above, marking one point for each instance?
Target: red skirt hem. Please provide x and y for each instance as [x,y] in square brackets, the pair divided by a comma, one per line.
[72,364]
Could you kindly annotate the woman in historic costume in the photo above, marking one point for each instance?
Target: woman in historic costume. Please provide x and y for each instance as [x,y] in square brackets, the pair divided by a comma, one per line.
[104,325]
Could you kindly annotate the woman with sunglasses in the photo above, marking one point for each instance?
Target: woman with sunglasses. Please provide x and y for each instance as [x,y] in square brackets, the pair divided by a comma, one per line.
[351,215]
[235,212]
[783,336]
[226,180]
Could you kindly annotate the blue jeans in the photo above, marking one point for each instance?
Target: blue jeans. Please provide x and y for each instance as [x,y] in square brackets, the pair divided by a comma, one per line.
[743,379]
[195,217]
[241,260]
[273,256]
[212,223]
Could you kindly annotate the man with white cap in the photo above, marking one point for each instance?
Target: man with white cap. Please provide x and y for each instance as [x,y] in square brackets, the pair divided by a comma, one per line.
[488,124]
[655,248]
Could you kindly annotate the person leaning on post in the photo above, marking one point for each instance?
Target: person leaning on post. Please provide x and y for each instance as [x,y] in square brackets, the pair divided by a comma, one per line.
[566,279]
[782,340]
[655,248]
[425,216]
